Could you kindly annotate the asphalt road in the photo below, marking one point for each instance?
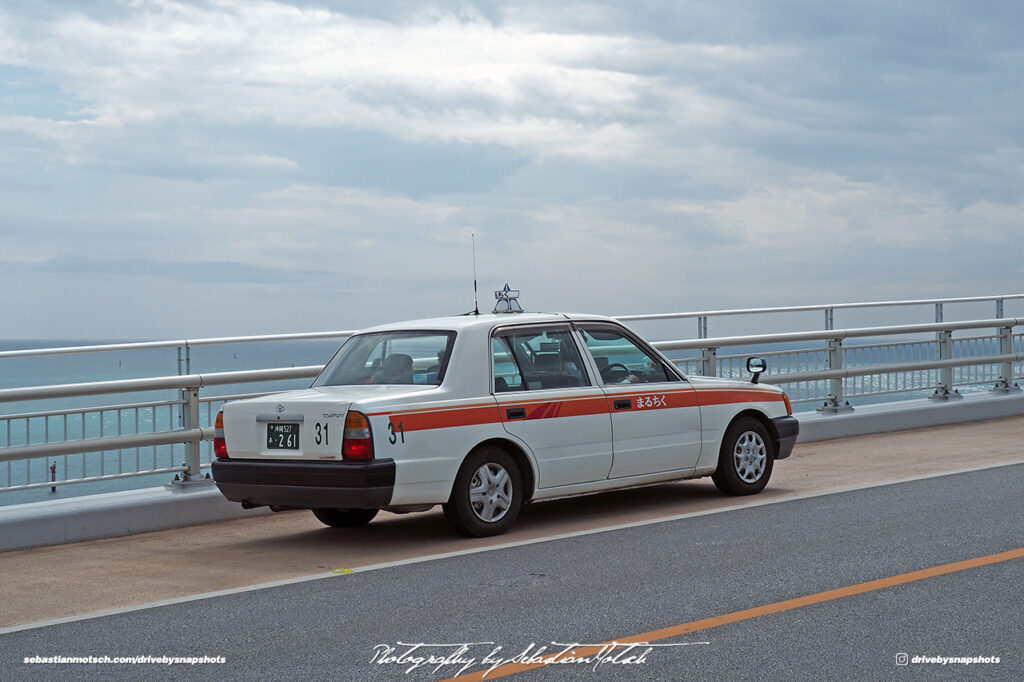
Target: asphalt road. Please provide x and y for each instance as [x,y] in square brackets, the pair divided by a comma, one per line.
[602,586]
[47,583]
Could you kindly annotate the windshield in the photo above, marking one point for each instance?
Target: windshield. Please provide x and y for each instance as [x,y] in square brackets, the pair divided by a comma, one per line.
[399,357]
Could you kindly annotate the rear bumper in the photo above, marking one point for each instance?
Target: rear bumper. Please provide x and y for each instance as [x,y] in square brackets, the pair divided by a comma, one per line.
[307,485]
[787,428]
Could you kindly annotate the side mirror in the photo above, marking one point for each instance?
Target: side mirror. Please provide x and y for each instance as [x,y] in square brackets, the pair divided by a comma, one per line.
[756,366]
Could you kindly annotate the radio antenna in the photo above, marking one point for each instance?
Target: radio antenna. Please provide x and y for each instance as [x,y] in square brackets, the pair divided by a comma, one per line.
[476,301]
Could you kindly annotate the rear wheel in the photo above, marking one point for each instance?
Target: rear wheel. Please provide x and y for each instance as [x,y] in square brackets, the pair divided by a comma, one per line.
[344,518]
[745,460]
[487,495]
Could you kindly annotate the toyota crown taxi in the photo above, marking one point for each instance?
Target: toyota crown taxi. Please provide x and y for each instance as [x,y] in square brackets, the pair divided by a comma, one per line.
[483,413]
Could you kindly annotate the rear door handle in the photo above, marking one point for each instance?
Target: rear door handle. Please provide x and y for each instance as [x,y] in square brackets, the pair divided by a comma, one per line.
[623,404]
[516,413]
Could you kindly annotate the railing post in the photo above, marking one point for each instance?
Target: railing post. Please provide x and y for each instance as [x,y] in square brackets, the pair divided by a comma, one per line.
[945,391]
[184,363]
[830,320]
[1005,383]
[709,362]
[834,360]
[184,359]
[702,326]
[190,420]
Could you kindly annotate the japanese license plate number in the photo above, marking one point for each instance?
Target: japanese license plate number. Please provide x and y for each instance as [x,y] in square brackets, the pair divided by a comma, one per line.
[282,436]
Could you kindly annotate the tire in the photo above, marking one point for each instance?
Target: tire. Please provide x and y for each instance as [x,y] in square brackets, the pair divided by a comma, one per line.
[746,458]
[344,518]
[487,495]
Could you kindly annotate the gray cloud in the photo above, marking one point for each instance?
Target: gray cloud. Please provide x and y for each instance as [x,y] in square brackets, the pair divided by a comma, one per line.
[654,156]
[73,267]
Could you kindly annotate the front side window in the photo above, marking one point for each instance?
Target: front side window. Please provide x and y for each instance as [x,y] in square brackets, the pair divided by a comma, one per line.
[620,360]
[536,358]
[399,357]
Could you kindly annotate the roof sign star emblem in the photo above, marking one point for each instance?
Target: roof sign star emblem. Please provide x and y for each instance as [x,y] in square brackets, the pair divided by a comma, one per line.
[507,300]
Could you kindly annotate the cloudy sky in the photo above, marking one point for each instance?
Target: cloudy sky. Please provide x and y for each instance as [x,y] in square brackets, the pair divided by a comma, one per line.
[172,168]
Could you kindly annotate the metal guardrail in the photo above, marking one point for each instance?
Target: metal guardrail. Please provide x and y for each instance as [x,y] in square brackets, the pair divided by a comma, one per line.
[828,308]
[191,433]
[814,373]
[184,346]
[944,354]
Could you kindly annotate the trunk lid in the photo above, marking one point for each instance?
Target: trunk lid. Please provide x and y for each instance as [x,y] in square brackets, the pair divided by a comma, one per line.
[304,425]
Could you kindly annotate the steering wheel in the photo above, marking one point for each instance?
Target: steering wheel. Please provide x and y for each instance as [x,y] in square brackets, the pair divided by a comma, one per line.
[614,373]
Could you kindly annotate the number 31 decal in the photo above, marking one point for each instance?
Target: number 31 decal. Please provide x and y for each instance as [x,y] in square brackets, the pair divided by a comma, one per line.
[395,432]
[321,434]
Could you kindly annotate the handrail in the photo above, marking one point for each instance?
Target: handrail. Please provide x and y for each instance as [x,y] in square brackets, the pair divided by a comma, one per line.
[157,383]
[857,332]
[821,306]
[135,440]
[300,336]
[90,410]
[867,370]
[93,479]
[178,343]
[243,376]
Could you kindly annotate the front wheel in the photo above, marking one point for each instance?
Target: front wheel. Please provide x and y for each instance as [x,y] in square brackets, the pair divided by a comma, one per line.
[745,460]
[487,495]
[344,518]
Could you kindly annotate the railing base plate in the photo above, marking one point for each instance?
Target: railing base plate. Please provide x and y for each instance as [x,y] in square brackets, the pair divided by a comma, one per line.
[192,483]
[948,395]
[833,408]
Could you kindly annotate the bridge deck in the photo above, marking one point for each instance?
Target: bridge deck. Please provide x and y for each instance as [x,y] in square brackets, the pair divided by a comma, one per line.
[55,582]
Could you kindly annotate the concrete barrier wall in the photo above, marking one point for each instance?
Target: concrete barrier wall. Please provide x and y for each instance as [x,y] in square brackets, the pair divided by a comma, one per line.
[137,511]
[908,414]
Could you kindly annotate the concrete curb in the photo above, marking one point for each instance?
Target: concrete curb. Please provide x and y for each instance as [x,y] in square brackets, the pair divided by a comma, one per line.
[90,517]
[106,515]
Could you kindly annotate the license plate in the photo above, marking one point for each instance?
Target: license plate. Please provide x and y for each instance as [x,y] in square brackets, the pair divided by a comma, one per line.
[282,436]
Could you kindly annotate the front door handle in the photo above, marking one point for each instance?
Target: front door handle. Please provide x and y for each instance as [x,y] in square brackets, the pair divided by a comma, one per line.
[623,404]
[516,413]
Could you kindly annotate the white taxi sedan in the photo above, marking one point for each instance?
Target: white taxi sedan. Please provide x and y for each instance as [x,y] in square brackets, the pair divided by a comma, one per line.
[483,413]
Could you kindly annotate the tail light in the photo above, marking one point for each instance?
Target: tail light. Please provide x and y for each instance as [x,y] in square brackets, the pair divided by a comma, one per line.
[220,446]
[789,406]
[357,442]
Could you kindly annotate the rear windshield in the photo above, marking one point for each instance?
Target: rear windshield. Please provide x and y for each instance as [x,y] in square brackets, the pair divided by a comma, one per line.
[412,357]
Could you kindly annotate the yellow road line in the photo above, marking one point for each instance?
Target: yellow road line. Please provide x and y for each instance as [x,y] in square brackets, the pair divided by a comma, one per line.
[768,609]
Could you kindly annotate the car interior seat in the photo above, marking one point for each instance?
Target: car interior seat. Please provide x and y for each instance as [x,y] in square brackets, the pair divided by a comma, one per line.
[396,369]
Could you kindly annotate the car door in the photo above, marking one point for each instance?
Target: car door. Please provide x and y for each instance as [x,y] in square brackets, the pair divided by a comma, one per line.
[548,400]
[655,413]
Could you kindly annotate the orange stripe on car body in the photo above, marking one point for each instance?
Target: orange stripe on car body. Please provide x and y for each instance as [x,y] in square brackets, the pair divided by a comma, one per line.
[446,418]
[540,408]
[567,407]
[723,396]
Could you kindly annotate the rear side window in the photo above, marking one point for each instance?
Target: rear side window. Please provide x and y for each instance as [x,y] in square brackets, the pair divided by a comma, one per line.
[400,357]
[507,376]
[532,359]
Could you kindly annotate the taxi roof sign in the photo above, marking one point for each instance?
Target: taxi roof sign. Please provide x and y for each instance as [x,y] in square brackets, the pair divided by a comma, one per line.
[507,300]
